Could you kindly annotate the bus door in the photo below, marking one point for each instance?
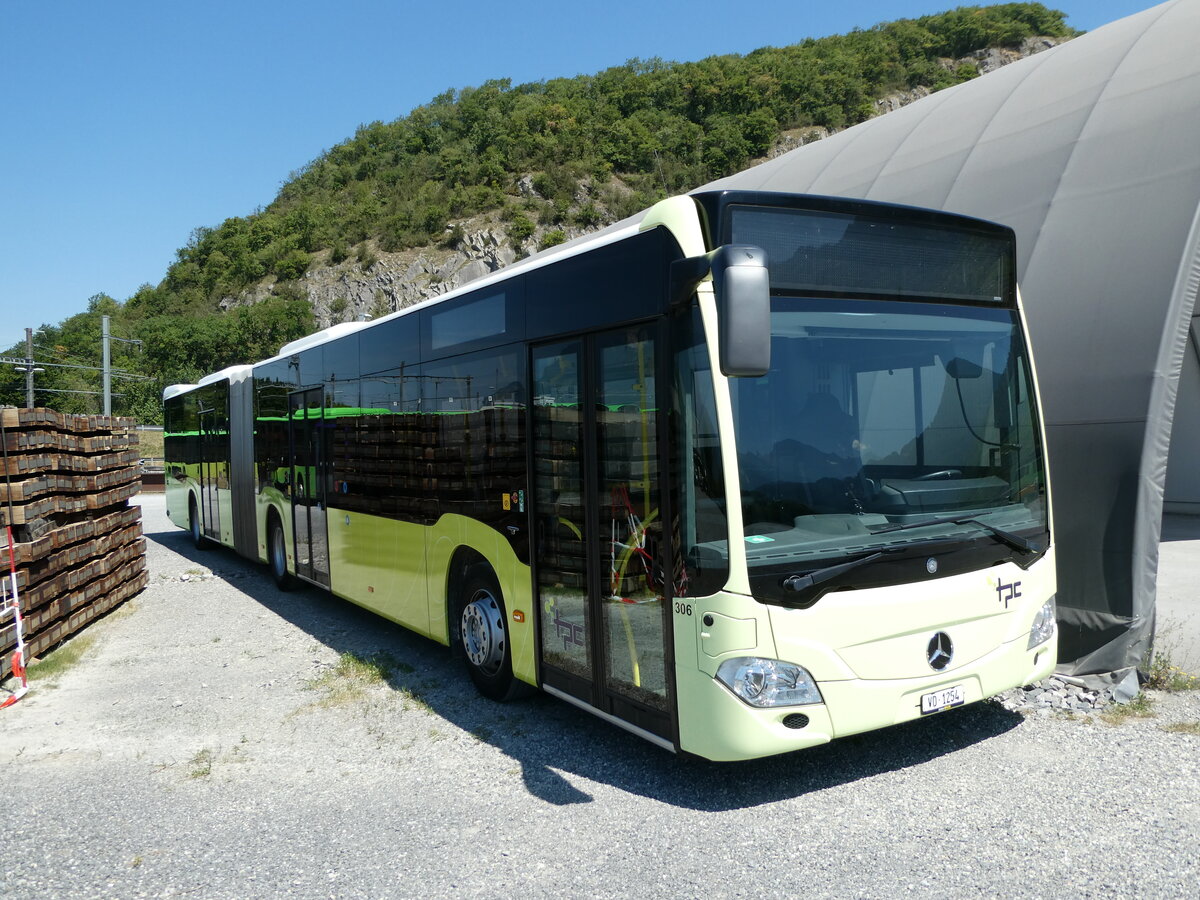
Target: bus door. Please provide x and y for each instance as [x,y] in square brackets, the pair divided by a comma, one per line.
[603,602]
[212,436]
[310,468]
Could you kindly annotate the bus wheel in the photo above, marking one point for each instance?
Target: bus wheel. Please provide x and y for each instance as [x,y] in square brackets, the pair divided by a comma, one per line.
[277,555]
[484,633]
[199,541]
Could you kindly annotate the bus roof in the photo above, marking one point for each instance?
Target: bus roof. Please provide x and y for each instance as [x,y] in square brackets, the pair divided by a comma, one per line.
[232,374]
[174,390]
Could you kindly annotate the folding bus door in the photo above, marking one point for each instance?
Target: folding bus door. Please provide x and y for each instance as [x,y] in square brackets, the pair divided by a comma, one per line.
[213,452]
[309,477]
[604,623]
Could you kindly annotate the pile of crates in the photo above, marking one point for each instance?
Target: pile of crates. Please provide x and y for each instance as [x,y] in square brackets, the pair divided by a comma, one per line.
[65,485]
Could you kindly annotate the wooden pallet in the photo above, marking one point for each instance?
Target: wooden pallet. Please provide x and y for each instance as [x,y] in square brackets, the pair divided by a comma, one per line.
[77,557]
[58,483]
[60,441]
[82,612]
[35,463]
[39,417]
[66,538]
[38,603]
[67,504]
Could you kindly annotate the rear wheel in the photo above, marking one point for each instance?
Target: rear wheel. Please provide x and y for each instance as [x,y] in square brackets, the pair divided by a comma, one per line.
[483,629]
[277,555]
[199,541]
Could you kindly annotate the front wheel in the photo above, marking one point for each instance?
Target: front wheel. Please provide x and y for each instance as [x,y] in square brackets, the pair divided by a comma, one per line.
[277,556]
[484,631]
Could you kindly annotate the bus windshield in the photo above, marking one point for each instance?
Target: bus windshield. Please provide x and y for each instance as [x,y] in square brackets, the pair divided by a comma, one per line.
[877,416]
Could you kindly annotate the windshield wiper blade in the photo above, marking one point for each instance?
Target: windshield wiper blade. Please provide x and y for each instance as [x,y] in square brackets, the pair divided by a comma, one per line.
[809,584]
[1005,537]
[819,576]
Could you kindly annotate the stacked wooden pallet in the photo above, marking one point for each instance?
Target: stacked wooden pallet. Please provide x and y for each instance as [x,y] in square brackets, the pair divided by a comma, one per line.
[65,484]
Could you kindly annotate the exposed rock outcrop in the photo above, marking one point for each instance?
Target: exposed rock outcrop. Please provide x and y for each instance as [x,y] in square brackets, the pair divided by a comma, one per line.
[377,283]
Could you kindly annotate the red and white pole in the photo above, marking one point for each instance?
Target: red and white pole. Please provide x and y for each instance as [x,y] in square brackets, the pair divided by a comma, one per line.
[18,657]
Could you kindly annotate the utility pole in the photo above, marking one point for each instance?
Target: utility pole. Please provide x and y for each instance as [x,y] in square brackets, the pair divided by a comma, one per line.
[29,368]
[106,340]
[106,363]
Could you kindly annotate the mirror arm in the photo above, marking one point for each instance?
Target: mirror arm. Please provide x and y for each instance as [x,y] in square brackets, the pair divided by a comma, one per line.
[686,274]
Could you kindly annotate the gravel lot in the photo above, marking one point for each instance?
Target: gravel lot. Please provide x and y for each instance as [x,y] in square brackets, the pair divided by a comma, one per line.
[207,746]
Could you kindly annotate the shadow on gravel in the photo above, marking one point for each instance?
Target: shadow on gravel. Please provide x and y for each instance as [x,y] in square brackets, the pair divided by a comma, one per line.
[546,736]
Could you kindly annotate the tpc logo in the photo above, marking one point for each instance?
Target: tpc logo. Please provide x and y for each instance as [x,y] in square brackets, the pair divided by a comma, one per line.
[1007,592]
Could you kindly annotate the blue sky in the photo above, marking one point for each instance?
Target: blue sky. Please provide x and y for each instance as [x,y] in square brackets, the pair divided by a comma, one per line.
[127,124]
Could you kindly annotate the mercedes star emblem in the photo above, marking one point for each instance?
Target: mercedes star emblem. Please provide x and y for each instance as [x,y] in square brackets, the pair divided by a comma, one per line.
[940,651]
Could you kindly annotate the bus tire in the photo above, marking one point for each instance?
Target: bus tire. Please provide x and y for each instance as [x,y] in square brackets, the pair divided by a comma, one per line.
[482,625]
[199,541]
[277,554]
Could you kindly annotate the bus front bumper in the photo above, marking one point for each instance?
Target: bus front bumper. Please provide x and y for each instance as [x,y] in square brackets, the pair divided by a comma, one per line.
[717,725]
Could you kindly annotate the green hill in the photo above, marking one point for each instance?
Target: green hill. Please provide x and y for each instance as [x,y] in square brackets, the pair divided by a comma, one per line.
[589,150]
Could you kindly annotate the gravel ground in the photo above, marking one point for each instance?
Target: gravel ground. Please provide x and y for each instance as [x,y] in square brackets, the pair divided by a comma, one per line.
[208,746]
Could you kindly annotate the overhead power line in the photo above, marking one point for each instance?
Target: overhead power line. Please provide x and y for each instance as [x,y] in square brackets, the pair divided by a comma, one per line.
[30,367]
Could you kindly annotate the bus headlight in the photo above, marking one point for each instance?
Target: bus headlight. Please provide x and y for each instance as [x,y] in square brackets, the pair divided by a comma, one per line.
[768,682]
[1043,625]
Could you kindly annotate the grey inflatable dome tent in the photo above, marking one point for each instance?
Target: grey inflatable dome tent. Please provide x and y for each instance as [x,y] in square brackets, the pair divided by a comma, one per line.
[1091,152]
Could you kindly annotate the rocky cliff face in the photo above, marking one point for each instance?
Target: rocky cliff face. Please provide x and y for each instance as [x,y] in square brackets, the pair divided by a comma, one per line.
[380,283]
[376,283]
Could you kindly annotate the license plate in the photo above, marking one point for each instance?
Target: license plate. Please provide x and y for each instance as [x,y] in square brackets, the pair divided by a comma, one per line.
[946,698]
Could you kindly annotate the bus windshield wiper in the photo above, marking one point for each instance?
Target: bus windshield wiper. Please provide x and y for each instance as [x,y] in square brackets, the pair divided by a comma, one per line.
[1005,537]
[813,585]
[819,576]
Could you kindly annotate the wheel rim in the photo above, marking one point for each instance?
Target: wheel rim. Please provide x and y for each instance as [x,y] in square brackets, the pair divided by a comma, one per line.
[483,633]
[195,523]
[278,553]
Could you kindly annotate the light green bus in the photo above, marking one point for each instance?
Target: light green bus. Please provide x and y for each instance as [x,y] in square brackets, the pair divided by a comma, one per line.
[752,473]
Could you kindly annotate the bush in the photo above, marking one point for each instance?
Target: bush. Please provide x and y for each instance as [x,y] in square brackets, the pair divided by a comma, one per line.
[1165,675]
[432,220]
[366,256]
[554,213]
[520,229]
[552,239]
[381,305]
[587,216]
[454,237]
[292,264]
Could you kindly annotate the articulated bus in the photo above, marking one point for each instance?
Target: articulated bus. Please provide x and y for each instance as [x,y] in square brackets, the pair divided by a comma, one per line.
[754,472]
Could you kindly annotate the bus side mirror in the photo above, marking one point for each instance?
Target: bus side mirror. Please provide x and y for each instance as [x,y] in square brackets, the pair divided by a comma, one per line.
[742,287]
